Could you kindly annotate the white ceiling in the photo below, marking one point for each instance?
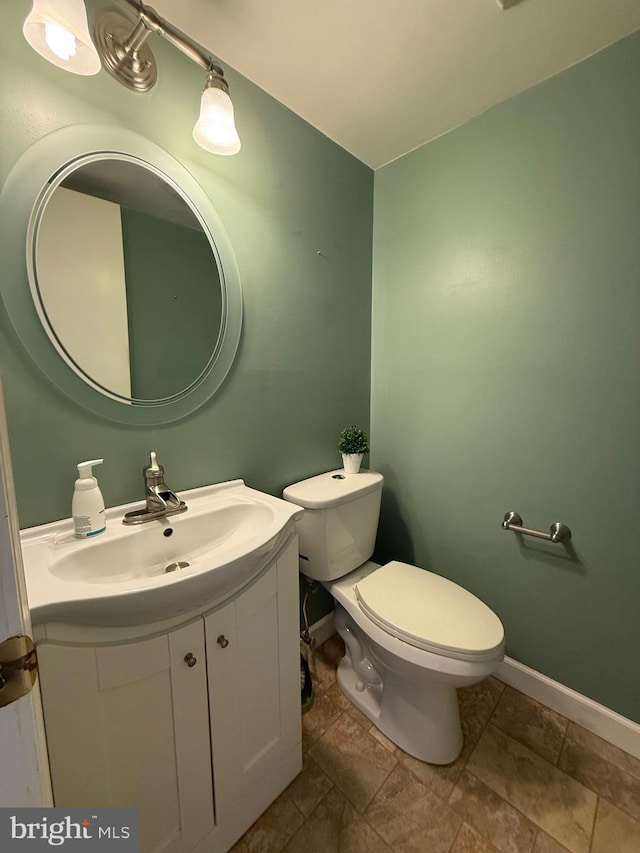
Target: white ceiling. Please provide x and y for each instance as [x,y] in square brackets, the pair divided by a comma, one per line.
[382,77]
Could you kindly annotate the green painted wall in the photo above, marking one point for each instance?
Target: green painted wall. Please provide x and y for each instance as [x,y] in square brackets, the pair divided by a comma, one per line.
[302,371]
[506,367]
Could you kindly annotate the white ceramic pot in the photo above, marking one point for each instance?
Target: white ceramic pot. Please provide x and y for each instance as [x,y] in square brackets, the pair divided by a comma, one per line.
[351,462]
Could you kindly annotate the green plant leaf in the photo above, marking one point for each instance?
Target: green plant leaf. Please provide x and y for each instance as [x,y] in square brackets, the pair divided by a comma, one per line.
[353,440]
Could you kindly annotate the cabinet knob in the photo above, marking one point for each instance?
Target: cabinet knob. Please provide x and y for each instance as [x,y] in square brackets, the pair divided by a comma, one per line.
[222,641]
[190,660]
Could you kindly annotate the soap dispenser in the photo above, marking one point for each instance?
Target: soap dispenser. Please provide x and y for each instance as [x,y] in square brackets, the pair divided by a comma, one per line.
[87,507]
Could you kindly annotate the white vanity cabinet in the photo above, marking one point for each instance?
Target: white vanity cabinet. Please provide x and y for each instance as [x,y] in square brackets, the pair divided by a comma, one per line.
[198,726]
[126,725]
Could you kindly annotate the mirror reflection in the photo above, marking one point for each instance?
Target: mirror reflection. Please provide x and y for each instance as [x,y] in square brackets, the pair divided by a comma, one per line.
[126,280]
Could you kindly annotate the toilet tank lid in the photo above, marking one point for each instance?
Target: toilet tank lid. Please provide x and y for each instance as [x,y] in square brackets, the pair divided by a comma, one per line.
[333,488]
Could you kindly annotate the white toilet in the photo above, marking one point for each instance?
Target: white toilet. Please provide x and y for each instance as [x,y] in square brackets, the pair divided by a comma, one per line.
[411,636]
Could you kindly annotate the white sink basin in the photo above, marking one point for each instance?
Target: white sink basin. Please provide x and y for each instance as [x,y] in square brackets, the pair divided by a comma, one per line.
[157,570]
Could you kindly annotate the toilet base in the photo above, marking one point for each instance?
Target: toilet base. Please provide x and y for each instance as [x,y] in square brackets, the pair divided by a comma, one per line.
[420,716]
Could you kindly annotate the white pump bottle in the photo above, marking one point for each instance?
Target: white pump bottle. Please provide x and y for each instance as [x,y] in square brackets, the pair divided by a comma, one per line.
[87,507]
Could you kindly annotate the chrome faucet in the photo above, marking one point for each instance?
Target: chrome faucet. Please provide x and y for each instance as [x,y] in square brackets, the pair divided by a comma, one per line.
[160,500]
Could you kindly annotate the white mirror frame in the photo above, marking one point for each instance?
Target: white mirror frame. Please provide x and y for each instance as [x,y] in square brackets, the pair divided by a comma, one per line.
[28,186]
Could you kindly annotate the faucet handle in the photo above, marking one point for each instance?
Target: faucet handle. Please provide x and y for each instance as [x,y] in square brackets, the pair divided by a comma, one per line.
[153,471]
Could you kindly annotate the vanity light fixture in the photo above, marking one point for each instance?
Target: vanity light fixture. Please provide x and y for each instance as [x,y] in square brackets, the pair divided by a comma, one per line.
[58,31]
[215,129]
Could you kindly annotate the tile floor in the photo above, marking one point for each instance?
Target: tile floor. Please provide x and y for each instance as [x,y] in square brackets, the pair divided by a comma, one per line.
[527,781]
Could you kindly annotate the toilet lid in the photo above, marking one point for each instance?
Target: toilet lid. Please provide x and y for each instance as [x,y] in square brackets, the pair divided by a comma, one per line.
[430,612]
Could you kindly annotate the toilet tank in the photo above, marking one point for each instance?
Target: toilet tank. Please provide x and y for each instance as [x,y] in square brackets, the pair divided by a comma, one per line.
[338,530]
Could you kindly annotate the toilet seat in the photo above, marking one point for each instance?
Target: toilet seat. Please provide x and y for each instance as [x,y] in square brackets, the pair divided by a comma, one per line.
[429,612]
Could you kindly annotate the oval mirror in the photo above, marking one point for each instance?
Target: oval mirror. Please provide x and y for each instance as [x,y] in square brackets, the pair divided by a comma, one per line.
[131,275]
[125,280]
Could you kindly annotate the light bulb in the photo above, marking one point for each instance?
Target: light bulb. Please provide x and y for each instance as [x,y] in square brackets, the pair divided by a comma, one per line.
[60,40]
[215,130]
[59,32]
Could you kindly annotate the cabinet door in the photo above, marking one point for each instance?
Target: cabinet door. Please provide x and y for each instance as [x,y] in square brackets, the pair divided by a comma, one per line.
[116,737]
[254,682]
[191,731]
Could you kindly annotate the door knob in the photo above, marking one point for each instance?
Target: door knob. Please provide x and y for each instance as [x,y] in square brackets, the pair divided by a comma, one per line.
[222,641]
[190,660]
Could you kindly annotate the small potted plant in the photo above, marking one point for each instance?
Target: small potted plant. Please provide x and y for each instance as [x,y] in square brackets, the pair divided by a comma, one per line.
[353,444]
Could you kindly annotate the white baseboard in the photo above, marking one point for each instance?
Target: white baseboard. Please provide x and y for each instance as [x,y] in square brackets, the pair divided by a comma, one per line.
[322,629]
[604,722]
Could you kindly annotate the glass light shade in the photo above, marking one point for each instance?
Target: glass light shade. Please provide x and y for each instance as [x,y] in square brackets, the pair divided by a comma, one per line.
[59,32]
[215,129]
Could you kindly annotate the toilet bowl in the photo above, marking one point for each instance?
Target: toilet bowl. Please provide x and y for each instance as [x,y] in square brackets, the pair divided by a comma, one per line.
[411,636]
[410,694]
